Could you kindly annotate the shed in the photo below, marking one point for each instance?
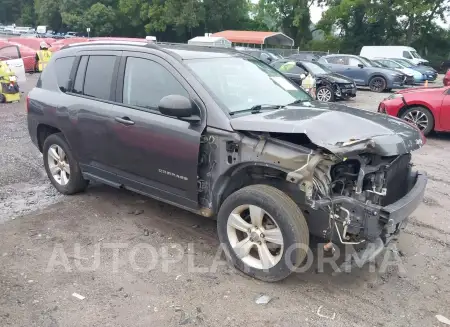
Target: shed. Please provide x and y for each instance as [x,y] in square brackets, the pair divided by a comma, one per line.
[210,41]
[256,37]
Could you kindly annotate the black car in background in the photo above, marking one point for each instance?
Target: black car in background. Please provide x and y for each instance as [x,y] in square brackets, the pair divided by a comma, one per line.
[329,85]
[266,56]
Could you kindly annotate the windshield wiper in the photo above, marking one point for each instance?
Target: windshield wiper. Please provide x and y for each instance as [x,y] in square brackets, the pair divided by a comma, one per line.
[299,101]
[258,108]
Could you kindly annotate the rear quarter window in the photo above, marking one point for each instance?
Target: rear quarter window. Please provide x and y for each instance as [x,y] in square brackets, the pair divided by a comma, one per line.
[63,67]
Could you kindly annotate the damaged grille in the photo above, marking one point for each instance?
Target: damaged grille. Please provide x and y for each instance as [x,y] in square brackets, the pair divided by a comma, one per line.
[397,177]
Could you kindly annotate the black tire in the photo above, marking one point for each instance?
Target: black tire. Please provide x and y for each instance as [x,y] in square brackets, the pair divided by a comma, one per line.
[287,216]
[329,93]
[413,112]
[388,90]
[76,181]
[377,84]
[2,98]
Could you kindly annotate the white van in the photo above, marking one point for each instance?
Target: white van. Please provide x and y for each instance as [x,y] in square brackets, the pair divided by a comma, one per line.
[391,51]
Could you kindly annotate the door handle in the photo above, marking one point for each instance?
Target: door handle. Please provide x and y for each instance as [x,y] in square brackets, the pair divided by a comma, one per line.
[124,120]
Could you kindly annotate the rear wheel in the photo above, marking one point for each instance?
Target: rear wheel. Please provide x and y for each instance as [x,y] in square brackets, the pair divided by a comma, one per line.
[62,169]
[263,232]
[421,117]
[2,98]
[377,84]
[325,94]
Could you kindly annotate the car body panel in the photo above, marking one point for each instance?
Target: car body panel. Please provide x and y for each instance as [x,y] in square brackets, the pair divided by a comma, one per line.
[361,76]
[191,164]
[321,122]
[437,100]
[343,85]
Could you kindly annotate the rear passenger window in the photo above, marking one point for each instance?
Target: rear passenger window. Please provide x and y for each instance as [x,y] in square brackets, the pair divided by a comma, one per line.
[79,79]
[99,76]
[63,67]
[147,82]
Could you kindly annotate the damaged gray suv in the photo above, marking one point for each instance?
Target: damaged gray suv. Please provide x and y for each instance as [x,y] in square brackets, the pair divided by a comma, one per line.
[224,135]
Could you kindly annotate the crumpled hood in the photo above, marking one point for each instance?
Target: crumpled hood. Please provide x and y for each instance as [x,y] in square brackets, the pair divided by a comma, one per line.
[336,78]
[337,128]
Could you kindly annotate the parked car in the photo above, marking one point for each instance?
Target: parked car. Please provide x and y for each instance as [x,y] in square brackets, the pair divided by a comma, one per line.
[429,72]
[446,79]
[363,72]
[414,76]
[392,51]
[427,107]
[11,54]
[224,135]
[329,85]
[304,56]
[266,56]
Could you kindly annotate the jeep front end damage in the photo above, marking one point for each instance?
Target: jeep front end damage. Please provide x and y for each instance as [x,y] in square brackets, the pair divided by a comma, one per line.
[366,196]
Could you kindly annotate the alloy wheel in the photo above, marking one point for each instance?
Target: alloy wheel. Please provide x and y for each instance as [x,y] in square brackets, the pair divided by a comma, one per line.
[324,94]
[377,84]
[58,164]
[418,118]
[255,237]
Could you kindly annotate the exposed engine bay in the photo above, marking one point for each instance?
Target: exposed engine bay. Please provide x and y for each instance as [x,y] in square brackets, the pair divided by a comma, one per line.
[367,179]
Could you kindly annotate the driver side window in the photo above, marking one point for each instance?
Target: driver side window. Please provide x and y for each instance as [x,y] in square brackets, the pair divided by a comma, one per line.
[354,62]
[147,82]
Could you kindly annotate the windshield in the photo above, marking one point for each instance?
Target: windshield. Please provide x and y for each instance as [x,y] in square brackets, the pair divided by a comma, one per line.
[415,54]
[315,68]
[379,64]
[241,83]
[367,62]
[405,62]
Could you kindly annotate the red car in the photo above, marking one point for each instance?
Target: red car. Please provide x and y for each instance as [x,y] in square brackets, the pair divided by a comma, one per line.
[447,78]
[14,50]
[428,107]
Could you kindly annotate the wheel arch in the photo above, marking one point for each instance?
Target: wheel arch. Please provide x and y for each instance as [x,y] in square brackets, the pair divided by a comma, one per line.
[43,131]
[249,173]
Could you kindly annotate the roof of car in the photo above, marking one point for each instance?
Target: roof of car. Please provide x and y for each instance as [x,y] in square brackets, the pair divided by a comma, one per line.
[180,51]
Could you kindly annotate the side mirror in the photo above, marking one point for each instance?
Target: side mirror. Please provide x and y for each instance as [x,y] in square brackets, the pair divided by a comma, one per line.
[178,106]
[360,65]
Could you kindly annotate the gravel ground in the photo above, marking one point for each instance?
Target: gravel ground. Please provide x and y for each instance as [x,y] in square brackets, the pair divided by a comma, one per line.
[61,264]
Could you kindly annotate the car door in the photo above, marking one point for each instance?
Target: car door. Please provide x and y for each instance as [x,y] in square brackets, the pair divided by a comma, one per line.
[154,154]
[92,93]
[337,64]
[357,71]
[11,55]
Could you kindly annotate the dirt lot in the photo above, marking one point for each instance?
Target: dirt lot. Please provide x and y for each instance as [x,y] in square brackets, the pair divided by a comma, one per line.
[103,245]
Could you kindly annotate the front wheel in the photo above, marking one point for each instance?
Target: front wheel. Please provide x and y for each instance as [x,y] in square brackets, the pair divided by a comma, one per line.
[377,84]
[263,232]
[420,117]
[325,94]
